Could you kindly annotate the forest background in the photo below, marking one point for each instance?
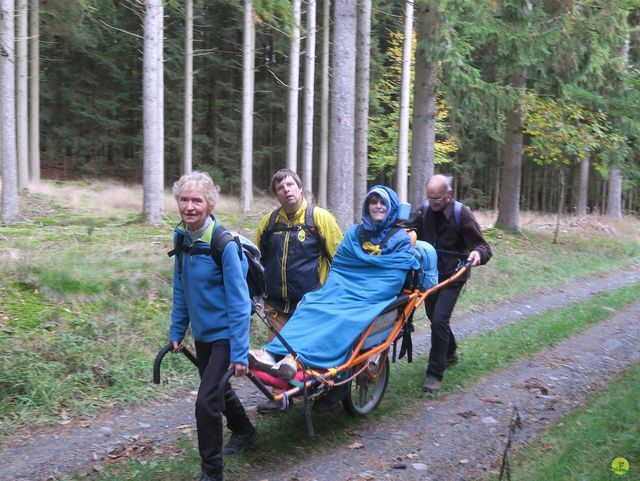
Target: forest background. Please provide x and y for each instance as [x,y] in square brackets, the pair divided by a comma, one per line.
[534,105]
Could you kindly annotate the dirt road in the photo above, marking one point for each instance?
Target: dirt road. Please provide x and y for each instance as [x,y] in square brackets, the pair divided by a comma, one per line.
[569,374]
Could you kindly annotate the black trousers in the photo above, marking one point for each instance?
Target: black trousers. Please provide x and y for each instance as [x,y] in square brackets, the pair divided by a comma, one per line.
[443,343]
[213,362]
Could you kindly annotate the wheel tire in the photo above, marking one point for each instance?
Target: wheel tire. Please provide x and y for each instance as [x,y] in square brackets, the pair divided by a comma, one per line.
[367,389]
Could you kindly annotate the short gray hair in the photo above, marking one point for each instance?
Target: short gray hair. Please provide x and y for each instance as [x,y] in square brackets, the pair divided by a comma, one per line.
[197,180]
[443,180]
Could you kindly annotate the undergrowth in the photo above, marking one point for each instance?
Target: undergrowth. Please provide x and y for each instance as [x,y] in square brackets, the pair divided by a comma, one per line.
[284,437]
[85,303]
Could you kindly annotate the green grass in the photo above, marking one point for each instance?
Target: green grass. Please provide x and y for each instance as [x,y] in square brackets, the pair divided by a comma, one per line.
[582,445]
[283,438]
[85,302]
[525,264]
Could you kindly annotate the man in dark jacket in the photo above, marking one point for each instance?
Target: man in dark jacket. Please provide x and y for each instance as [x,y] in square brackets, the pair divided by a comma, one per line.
[452,229]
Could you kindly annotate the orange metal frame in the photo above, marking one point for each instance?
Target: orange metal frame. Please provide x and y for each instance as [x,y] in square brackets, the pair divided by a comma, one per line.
[416,298]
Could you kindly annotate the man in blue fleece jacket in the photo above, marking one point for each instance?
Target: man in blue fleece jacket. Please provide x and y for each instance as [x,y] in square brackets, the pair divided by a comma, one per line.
[215,301]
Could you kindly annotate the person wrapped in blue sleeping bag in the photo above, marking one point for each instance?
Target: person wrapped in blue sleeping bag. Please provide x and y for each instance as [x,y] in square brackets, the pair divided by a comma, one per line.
[367,273]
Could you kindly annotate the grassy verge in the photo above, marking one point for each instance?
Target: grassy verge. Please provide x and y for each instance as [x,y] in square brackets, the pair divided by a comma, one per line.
[525,264]
[85,301]
[583,444]
[284,438]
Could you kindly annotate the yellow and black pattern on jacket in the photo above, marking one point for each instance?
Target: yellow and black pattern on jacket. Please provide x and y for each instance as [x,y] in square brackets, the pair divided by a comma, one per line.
[296,256]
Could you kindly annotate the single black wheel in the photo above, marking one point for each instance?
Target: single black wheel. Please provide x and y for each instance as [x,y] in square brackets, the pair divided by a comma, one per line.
[367,388]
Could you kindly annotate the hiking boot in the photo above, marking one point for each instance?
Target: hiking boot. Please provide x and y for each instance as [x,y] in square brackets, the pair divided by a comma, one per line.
[261,359]
[211,472]
[271,407]
[284,369]
[452,360]
[239,442]
[204,476]
[431,385]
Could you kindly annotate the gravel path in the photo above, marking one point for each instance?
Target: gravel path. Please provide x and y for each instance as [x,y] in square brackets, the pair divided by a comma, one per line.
[41,453]
[462,436]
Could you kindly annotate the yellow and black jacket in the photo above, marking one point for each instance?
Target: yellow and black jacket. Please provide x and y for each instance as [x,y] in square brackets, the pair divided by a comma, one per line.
[296,252]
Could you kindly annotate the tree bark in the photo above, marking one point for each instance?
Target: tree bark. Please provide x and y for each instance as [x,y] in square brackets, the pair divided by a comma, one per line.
[153,184]
[405,107]
[560,205]
[248,81]
[8,114]
[614,198]
[363,61]
[509,205]
[187,160]
[324,106]
[309,77]
[423,140]
[22,82]
[341,145]
[583,185]
[294,82]
[34,92]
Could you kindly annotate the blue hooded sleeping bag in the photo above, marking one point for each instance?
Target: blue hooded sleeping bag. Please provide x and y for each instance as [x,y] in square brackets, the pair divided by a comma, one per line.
[359,286]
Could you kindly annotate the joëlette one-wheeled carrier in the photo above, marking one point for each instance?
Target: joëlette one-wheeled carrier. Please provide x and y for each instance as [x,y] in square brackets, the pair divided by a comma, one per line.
[366,372]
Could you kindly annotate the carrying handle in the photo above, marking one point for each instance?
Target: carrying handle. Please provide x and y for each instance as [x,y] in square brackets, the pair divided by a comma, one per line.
[163,352]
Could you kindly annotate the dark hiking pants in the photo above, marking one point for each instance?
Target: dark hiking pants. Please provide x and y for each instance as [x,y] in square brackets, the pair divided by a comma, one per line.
[439,307]
[213,362]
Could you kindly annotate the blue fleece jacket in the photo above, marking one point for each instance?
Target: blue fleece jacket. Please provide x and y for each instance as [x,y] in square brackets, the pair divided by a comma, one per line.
[216,309]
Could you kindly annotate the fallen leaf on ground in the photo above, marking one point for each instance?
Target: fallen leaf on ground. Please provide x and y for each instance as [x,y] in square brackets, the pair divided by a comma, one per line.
[185,428]
[494,400]
[466,414]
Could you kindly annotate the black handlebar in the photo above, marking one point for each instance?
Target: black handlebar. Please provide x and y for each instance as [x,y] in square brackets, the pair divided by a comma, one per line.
[158,361]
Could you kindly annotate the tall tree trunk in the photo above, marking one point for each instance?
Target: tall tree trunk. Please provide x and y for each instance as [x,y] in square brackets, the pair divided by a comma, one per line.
[560,204]
[8,114]
[152,113]
[187,160]
[341,147]
[294,82]
[405,105]
[309,77]
[22,82]
[324,106]
[583,185]
[34,92]
[248,81]
[496,198]
[614,199]
[423,140]
[509,205]
[363,60]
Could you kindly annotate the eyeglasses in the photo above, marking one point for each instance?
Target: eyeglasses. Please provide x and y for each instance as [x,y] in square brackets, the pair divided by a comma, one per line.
[437,199]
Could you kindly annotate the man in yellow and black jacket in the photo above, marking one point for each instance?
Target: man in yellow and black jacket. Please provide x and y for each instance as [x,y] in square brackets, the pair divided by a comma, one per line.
[297,242]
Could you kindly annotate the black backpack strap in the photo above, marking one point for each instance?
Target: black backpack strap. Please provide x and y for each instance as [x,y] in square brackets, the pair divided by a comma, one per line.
[178,249]
[363,235]
[393,231]
[220,237]
[264,238]
[310,224]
